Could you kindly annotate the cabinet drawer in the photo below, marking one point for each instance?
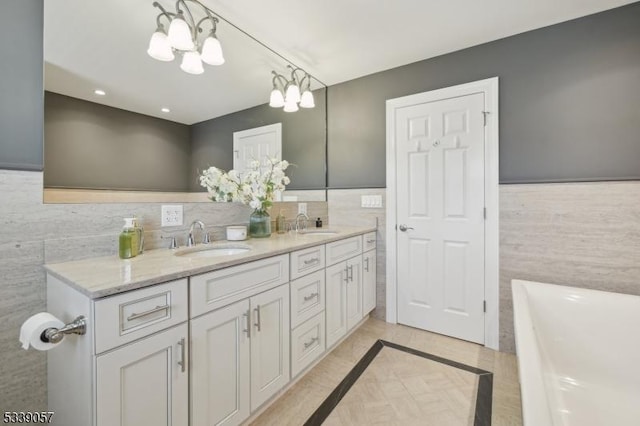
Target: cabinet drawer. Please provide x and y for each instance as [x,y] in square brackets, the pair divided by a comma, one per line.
[129,316]
[220,288]
[343,249]
[305,261]
[307,343]
[307,297]
[369,241]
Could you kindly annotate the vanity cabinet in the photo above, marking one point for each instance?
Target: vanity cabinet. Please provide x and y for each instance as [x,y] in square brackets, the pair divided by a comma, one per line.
[146,382]
[369,270]
[210,349]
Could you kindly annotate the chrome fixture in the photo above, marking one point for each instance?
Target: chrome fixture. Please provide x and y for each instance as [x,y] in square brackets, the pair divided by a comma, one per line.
[286,93]
[205,236]
[404,228]
[182,37]
[173,243]
[305,219]
[55,335]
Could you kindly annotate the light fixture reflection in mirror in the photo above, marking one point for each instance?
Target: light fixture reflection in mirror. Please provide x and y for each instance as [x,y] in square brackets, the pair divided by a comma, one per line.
[86,132]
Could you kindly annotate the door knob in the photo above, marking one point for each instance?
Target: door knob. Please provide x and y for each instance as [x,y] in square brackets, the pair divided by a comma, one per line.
[404,228]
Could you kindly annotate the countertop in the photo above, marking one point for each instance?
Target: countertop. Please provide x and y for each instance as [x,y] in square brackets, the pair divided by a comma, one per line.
[104,276]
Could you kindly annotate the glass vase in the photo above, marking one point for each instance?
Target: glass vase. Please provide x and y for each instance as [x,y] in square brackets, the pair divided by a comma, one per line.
[260,224]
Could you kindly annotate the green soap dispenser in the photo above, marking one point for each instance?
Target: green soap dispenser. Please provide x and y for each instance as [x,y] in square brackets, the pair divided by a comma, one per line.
[128,241]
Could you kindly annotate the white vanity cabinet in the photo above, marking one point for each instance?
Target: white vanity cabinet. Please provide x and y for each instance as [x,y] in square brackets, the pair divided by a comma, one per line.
[343,287]
[146,382]
[240,353]
[369,273]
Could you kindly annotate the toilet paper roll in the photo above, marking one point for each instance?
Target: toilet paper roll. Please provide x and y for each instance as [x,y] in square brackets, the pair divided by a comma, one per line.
[33,327]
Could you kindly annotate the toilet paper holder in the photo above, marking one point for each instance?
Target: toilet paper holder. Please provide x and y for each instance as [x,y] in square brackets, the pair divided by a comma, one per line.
[55,335]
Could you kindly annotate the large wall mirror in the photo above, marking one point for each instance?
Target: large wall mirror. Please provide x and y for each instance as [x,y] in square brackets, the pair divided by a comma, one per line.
[117,119]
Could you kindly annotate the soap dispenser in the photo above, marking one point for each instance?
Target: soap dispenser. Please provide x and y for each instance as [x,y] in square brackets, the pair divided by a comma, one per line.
[128,242]
[280,221]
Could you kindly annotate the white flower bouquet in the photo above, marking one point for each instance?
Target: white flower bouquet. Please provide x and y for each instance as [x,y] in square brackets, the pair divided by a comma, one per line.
[256,187]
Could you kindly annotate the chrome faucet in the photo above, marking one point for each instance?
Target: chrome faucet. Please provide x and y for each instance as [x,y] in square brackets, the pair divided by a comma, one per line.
[304,224]
[205,236]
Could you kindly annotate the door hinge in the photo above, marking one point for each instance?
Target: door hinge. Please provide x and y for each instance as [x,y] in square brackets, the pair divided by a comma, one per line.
[484,306]
[484,213]
[484,114]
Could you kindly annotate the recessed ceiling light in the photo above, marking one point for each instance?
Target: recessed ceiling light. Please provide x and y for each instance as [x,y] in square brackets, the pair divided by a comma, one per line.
[165,110]
[99,92]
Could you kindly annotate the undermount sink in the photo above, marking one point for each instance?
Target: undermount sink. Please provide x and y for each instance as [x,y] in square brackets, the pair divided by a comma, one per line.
[214,250]
[318,232]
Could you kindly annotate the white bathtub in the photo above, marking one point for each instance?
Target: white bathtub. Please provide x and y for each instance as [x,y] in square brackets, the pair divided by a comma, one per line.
[578,355]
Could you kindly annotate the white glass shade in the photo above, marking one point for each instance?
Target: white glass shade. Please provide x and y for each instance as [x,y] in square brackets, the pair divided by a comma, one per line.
[276,100]
[293,94]
[191,63]
[290,107]
[212,51]
[180,34]
[306,101]
[160,48]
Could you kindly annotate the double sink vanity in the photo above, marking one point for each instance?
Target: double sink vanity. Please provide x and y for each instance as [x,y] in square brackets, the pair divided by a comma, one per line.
[208,335]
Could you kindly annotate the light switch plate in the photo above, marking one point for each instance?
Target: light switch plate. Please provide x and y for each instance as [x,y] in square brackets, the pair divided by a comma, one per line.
[371,201]
[302,208]
[171,215]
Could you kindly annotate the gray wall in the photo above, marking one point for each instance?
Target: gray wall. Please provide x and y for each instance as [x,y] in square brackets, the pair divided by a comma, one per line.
[89,145]
[569,103]
[21,85]
[303,141]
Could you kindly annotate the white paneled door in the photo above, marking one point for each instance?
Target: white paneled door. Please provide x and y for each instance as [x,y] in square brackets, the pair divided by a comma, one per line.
[256,144]
[440,181]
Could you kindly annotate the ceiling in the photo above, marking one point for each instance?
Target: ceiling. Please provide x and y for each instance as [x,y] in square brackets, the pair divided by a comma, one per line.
[91,45]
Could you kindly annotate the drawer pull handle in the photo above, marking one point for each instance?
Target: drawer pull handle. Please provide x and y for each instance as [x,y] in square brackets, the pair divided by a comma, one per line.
[346,274]
[181,362]
[350,268]
[257,324]
[311,296]
[135,316]
[366,264]
[371,241]
[311,261]
[311,342]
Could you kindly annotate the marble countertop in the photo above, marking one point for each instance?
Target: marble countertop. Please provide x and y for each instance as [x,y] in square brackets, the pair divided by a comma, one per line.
[104,276]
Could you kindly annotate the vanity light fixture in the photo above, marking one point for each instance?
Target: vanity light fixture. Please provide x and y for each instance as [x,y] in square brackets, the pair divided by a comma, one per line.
[286,93]
[182,38]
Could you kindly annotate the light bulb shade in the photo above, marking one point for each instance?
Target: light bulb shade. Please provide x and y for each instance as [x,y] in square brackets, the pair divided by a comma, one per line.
[306,101]
[212,51]
[276,100]
[191,63]
[290,106]
[180,34]
[160,48]
[293,94]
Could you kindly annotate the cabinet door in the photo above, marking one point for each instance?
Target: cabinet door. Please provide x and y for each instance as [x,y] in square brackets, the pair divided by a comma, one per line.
[335,303]
[368,281]
[146,382]
[220,373]
[354,291]
[269,344]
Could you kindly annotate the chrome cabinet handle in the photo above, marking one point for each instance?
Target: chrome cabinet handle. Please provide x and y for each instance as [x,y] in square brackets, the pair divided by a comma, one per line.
[311,342]
[350,267]
[181,362]
[311,296]
[366,264]
[311,261]
[257,324]
[248,329]
[371,241]
[404,228]
[135,316]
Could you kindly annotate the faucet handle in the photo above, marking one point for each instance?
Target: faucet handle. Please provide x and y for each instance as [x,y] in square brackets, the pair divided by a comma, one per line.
[190,241]
[206,239]
[173,243]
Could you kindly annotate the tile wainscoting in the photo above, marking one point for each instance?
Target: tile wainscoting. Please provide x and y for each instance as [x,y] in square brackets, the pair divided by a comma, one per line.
[33,233]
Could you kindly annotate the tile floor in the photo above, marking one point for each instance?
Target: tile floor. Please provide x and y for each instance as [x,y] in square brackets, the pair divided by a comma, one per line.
[449,405]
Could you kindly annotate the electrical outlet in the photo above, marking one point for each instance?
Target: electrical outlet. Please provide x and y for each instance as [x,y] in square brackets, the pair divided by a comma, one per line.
[371,201]
[302,208]
[171,215]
